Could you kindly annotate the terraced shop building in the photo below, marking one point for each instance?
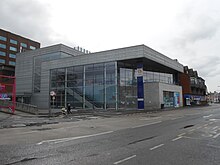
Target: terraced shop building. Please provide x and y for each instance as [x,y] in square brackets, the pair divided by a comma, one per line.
[136,77]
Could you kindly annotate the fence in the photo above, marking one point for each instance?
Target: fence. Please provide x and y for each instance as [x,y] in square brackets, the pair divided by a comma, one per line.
[21,107]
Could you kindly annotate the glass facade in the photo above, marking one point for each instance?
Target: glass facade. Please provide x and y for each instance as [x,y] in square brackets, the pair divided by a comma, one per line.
[90,86]
[158,77]
[37,67]
[127,88]
[168,99]
[110,85]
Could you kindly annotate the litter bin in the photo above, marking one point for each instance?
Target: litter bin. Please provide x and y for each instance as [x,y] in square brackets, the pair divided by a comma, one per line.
[162,106]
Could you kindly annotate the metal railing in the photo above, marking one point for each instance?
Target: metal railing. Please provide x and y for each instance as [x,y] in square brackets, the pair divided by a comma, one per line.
[32,109]
[27,108]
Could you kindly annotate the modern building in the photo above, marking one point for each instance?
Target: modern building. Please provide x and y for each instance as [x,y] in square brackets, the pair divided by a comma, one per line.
[126,78]
[194,88]
[10,44]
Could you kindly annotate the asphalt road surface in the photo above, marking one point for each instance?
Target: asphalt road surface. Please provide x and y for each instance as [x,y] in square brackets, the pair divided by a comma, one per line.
[180,137]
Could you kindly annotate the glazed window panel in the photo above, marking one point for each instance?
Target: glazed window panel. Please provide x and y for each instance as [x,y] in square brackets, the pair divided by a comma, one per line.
[2,38]
[2,53]
[3,46]
[13,48]
[61,75]
[13,41]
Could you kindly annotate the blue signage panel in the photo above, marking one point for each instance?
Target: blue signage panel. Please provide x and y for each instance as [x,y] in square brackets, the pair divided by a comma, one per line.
[140,87]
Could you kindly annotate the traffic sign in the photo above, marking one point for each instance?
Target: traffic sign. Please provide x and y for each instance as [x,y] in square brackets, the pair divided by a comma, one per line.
[52,93]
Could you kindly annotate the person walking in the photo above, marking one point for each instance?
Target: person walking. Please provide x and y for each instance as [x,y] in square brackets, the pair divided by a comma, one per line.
[68,109]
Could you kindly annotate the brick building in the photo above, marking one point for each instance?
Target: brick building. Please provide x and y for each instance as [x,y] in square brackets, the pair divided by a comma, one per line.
[194,88]
[10,44]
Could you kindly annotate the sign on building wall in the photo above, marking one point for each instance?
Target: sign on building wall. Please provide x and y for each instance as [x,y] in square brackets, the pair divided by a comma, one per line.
[140,87]
[176,99]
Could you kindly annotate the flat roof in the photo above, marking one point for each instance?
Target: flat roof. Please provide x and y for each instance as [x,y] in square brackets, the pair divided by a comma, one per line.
[133,53]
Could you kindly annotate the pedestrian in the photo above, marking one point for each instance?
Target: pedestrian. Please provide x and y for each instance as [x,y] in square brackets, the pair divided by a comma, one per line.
[68,109]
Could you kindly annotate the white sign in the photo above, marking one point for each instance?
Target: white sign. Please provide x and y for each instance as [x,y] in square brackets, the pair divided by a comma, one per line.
[140,72]
[52,93]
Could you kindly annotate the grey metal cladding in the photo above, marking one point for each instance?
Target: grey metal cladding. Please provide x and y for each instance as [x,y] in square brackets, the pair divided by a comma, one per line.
[140,51]
[162,59]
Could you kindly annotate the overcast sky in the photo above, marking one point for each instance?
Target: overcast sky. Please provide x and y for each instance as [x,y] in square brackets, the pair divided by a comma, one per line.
[187,30]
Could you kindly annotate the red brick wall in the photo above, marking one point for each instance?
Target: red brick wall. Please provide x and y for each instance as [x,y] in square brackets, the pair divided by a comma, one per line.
[185,83]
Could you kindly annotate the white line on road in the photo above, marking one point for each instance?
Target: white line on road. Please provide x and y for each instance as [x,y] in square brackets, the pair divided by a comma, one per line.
[176,118]
[152,118]
[26,132]
[199,127]
[205,125]
[147,124]
[72,138]
[177,138]
[214,127]
[216,135]
[191,130]
[123,160]
[153,148]
[208,116]
[181,134]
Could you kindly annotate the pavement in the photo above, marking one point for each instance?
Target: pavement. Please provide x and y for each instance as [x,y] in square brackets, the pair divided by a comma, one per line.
[22,119]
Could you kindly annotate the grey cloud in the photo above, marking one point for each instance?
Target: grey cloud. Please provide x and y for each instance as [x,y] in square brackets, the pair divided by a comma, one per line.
[28,18]
[201,28]
[209,66]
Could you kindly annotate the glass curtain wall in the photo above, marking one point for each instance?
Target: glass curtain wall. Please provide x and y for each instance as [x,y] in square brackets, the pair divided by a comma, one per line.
[127,83]
[37,67]
[127,87]
[90,86]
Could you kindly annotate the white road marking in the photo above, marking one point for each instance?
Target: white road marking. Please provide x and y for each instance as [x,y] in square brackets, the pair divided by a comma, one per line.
[147,124]
[147,118]
[191,130]
[155,147]
[123,160]
[199,127]
[205,125]
[213,146]
[181,134]
[214,127]
[211,123]
[176,118]
[177,138]
[26,132]
[216,135]
[72,138]
[208,116]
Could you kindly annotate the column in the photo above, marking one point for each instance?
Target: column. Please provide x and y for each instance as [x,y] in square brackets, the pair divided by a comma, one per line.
[140,87]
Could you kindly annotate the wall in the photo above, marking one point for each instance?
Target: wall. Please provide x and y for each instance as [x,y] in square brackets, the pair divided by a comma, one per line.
[153,94]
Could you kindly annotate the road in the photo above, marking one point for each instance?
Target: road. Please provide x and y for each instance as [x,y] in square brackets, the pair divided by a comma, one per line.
[180,137]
